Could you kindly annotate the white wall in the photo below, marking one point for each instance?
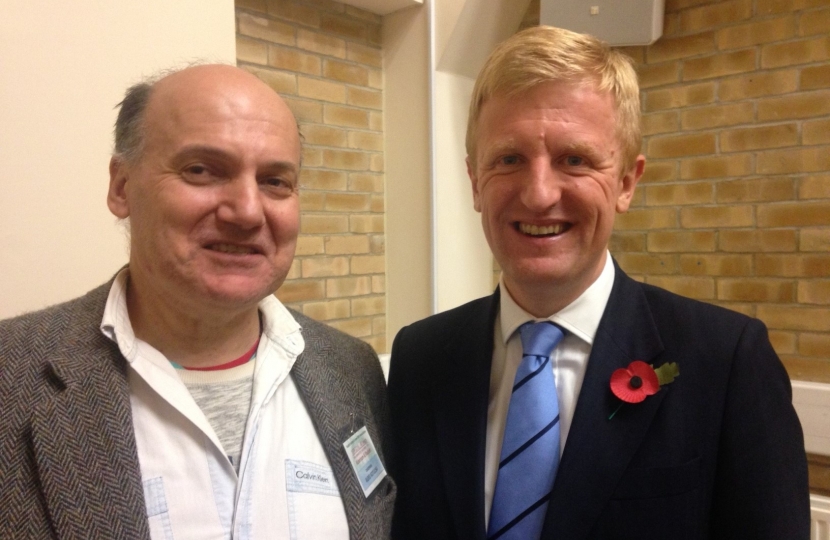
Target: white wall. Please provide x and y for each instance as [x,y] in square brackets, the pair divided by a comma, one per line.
[63,67]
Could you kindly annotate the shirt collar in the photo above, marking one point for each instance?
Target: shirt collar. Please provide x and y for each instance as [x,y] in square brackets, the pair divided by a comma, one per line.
[580,318]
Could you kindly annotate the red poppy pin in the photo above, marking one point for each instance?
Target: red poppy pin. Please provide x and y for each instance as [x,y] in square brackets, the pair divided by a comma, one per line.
[639,380]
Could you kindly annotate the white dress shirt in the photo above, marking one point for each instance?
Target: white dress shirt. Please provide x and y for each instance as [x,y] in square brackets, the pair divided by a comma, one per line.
[580,320]
[285,487]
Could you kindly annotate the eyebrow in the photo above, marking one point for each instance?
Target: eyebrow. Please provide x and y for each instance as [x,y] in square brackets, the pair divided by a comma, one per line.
[203,150]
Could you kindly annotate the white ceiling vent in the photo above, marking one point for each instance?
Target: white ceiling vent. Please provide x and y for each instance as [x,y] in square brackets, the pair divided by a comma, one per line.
[619,22]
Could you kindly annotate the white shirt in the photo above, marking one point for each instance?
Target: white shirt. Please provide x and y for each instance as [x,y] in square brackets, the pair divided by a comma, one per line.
[580,320]
[285,487]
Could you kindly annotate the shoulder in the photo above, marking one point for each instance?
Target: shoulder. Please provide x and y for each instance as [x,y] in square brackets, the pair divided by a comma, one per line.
[333,343]
[441,327]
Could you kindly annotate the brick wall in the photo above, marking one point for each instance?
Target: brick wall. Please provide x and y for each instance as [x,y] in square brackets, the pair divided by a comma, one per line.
[324,58]
[734,207]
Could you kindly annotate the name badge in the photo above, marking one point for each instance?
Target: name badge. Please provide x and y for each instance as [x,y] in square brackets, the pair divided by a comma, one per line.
[365,460]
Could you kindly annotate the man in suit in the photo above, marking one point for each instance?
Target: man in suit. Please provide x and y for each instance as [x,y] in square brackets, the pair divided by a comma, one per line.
[702,442]
[182,399]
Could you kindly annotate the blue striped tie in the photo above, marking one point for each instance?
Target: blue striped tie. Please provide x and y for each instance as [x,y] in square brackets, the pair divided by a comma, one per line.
[530,450]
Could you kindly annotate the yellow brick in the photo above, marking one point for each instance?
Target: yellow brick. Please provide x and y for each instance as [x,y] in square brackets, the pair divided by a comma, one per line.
[368,264]
[681,241]
[323,180]
[658,75]
[715,265]
[627,242]
[267,29]
[814,187]
[817,345]
[816,132]
[681,145]
[366,182]
[312,201]
[798,214]
[763,83]
[682,96]
[364,54]
[757,240]
[647,263]
[719,65]
[295,271]
[293,60]
[328,5]
[795,52]
[717,116]
[320,43]
[326,311]
[795,317]
[354,327]
[323,224]
[683,47]
[366,224]
[756,290]
[309,245]
[249,50]
[344,27]
[379,325]
[659,171]
[364,97]
[376,163]
[673,6]
[717,217]
[802,105]
[325,135]
[817,239]
[345,116]
[347,202]
[639,219]
[376,78]
[296,13]
[746,309]
[345,72]
[806,369]
[325,267]
[321,90]
[804,160]
[715,15]
[814,22]
[664,122]
[377,342]
[348,286]
[766,7]
[378,284]
[756,33]
[783,342]
[792,265]
[815,77]
[280,81]
[756,190]
[256,5]
[679,194]
[363,140]
[701,288]
[378,204]
[755,138]
[368,305]
[376,121]
[305,110]
[377,244]
[346,245]
[346,159]
[719,166]
[301,291]
[814,291]
[312,157]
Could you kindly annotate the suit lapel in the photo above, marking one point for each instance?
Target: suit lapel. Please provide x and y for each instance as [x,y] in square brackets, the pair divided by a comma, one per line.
[460,398]
[84,447]
[598,450]
[338,408]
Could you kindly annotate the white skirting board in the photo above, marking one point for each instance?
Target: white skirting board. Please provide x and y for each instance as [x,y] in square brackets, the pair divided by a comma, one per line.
[820,512]
[812,403]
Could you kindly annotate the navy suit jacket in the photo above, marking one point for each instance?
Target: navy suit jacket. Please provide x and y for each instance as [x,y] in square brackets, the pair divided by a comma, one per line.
[717,454]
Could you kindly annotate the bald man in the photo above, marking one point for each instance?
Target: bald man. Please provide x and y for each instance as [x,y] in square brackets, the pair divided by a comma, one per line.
[182,399]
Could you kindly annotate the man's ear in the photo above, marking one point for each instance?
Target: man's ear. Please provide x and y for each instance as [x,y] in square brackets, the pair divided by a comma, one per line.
[117,193]
[629,182]
[474,181]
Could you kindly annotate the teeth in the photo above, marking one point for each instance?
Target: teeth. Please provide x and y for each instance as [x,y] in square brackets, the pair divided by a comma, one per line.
[231,248]
[534,230]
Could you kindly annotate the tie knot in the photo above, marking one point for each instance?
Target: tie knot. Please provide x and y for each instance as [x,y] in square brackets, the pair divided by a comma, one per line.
[540,338]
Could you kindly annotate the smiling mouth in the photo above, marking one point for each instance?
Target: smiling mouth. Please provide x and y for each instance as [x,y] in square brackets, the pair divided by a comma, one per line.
[234,249]
[537,231]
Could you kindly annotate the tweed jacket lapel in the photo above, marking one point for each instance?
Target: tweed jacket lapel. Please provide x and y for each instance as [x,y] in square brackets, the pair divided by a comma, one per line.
[338,407]
[82,435]
[599,450]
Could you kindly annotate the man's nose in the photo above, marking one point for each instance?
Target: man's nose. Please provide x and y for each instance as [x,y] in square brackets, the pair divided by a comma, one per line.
[542,188]
[241,203]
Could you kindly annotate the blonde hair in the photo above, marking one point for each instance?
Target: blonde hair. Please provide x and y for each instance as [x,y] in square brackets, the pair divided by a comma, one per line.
[543,54]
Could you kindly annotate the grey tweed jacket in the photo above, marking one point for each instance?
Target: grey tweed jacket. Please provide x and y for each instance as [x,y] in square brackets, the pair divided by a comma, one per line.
[68,461]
